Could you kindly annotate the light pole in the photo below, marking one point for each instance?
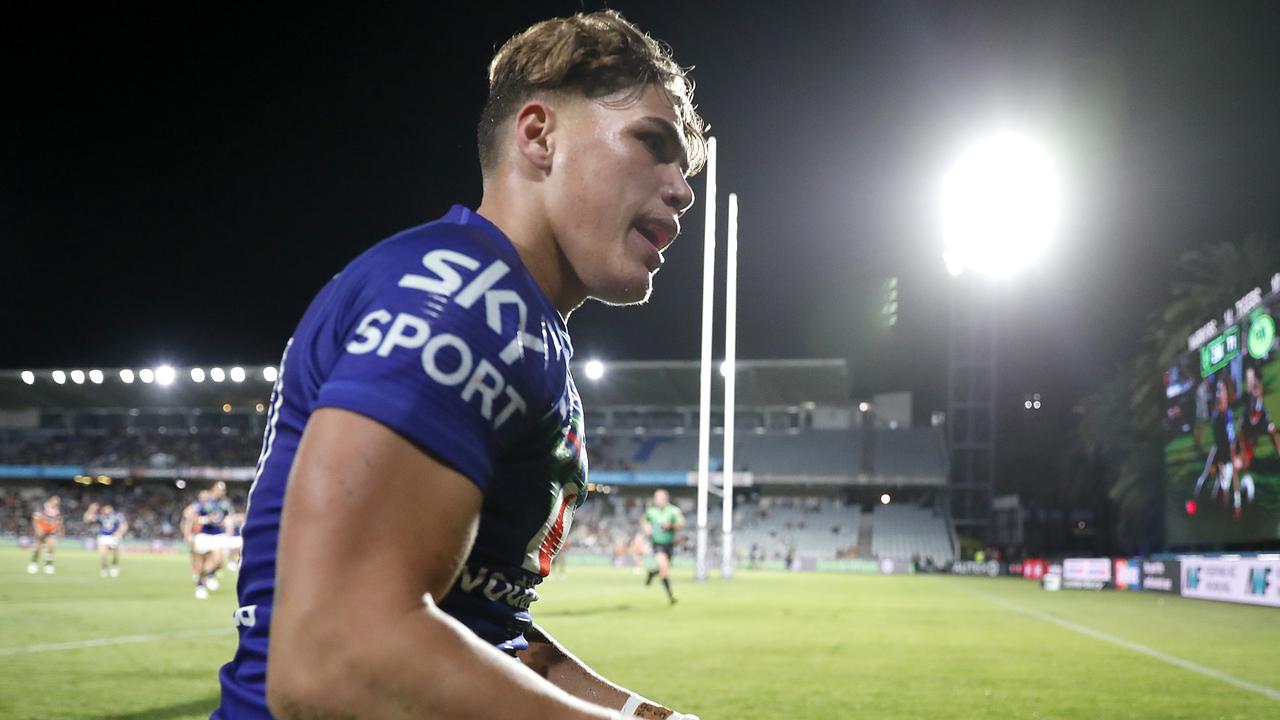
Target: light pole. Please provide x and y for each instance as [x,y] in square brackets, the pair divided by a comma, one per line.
[1000,206]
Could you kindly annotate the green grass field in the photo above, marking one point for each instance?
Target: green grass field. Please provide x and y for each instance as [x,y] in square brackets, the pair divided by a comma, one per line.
[767,646]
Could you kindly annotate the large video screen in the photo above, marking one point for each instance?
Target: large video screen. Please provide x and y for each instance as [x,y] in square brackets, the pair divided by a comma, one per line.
[1222,456]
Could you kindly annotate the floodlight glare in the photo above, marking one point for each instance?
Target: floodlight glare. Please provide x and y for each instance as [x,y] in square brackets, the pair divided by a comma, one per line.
[197,375]
[59,377]
[884,499]
[1000,206]
[237,374]
[594,369]
[147,375]
[95,377]
[126,376]
[28,377]
[77,377]
[165,375]
[217,375]
[270,373]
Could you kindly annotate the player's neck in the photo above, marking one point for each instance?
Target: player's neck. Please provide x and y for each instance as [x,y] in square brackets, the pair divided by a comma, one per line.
[526,226]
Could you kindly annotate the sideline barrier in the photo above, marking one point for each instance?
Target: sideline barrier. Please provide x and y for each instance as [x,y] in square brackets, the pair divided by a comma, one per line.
[1162,576]
[1251,581]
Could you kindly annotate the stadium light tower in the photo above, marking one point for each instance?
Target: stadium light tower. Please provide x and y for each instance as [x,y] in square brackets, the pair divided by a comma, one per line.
[1000,207]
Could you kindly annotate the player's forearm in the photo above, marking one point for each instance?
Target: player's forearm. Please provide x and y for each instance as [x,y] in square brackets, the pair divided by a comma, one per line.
[425,665]
[563,669]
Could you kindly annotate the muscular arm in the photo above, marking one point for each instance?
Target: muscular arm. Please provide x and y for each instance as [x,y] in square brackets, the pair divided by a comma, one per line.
[354,630]
[188,522]
[552,661]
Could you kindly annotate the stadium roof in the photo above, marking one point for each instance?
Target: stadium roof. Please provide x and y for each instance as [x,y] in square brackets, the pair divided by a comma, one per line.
[761,383]
[676,383]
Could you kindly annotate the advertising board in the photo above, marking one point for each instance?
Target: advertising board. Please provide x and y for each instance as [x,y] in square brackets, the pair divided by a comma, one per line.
[1161,576]
[1086,573]
[1252,581]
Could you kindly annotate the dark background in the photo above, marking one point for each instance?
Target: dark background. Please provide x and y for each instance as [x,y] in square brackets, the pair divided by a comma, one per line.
[179,181]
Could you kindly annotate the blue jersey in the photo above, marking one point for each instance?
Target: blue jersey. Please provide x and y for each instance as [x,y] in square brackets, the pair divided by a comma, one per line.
[211,516]
[109,524]
[440,334]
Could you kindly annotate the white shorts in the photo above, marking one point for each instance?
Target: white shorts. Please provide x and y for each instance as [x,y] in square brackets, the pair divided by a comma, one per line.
[235,542]
[108,541]
[208,542]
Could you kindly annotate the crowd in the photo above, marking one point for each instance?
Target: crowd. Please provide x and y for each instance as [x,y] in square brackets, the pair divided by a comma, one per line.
[162,447]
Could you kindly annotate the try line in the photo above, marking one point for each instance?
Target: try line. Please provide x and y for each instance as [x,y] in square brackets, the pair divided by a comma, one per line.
[1149,652]
[118,640]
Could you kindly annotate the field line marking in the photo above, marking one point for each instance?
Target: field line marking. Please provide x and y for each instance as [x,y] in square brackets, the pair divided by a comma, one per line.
[118,640]
[1129,645]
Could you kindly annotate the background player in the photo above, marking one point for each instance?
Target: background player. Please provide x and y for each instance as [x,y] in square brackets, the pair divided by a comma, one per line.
[1254,426]
[46,527]
[235,542]
[424,420]
[661,522]
[210,537]
[111,529]
[189,531]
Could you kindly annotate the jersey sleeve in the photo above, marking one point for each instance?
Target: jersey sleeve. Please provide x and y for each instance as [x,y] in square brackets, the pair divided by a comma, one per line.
[421,355]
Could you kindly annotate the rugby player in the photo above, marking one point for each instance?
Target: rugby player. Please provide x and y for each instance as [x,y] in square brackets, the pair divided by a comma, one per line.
[46,527]
[235,523]
[210,538]
[189,531]
[661,522]
[424,421]
[111,528]
[1255,424]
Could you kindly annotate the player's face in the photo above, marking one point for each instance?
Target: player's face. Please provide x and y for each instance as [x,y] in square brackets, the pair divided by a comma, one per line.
[660,498]
[616,191]
[106,509]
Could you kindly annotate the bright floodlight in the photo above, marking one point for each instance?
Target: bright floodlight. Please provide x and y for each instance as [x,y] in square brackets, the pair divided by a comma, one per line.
[270,373]
[77,377]
[126,376]
[28,377]
[594,369]
[884,499]
[95,377]
[59,377]
[1000,206]
[237,374]
[165,375]
[217,375]
[197,375]
[146,375]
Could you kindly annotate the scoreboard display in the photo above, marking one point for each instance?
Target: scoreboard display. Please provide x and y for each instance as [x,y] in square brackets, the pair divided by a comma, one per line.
[1222,451]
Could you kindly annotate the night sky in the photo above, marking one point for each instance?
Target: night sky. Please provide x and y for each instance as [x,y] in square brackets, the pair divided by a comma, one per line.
[178,182]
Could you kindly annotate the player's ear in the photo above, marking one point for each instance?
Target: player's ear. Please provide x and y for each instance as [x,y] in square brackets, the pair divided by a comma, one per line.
[534,129]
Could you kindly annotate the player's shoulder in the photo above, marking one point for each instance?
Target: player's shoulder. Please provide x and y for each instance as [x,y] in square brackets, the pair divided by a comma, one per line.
[456,242]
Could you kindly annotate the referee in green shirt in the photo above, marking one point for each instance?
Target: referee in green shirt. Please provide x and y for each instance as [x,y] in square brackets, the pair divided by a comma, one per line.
[660,523]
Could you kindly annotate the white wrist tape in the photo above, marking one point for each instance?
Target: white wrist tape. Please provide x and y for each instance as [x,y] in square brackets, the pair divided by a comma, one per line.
[632,704]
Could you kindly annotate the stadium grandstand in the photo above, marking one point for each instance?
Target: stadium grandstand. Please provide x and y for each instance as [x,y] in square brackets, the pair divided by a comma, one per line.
[822,482]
